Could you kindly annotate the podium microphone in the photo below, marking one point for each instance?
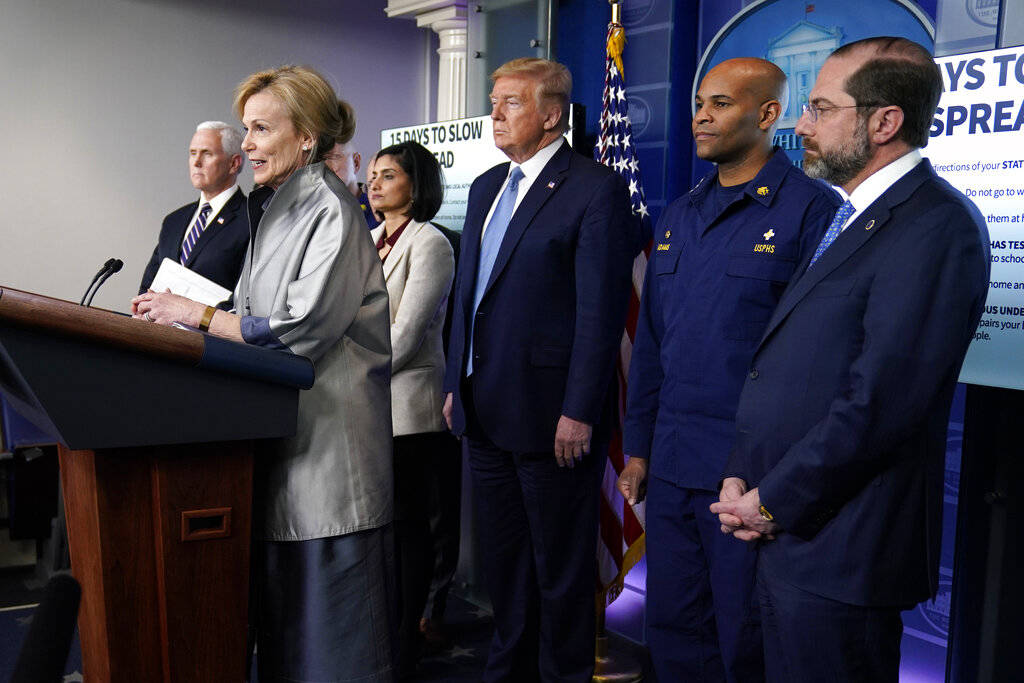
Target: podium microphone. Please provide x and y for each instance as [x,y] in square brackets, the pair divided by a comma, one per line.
[109,268]
[106,266]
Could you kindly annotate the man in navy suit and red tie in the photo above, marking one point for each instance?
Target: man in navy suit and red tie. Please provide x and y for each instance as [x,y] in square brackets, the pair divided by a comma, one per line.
[837,468]
[540,305]
[208,236]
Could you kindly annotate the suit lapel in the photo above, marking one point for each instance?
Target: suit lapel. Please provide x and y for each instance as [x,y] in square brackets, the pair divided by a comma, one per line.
[542,189]
[401,246]
[175,248]
[872,221]
[216,224]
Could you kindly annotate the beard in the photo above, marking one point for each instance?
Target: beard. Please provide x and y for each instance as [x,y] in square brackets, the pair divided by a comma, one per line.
[839,166]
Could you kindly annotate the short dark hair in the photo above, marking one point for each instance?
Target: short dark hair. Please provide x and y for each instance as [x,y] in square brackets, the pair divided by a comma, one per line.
[903,74]
[425,174]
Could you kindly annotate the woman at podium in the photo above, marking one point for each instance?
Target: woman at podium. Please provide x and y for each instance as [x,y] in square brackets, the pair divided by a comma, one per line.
[312,284]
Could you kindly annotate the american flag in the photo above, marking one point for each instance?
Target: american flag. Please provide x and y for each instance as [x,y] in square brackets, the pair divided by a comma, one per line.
[621,544]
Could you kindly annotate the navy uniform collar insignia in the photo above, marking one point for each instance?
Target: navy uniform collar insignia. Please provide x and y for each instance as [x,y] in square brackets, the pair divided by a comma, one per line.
[769,235]
[760,190]
[767,181]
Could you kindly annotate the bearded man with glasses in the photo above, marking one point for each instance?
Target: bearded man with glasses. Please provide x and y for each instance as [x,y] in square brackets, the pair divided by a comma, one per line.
[841,427]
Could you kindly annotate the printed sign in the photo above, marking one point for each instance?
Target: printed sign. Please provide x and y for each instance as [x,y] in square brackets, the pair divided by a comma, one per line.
[975,144]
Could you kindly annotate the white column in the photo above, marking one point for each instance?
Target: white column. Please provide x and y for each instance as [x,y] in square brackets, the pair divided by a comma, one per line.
[447,18]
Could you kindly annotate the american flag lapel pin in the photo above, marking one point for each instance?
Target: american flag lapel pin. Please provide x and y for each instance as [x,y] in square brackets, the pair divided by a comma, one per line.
[220,221]
[551,185]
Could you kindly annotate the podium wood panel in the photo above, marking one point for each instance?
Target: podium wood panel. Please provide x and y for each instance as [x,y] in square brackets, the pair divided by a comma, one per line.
[156,607]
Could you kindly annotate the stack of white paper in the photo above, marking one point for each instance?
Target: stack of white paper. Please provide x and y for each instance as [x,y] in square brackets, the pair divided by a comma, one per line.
[184,282]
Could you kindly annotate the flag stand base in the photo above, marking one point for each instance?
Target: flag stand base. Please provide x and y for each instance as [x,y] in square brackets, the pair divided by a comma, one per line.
[614,667]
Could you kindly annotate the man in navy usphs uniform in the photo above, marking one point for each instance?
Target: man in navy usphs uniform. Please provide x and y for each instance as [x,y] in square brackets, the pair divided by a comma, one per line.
[541,298]
[837,470]
[722,257]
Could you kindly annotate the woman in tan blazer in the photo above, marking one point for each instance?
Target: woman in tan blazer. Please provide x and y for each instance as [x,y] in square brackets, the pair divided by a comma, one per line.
[405,191]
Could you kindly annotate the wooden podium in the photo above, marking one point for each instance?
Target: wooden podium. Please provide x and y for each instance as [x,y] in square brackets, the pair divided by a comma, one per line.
[157,428]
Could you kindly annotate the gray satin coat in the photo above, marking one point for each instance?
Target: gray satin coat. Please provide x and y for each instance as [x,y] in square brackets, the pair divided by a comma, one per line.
[313,270]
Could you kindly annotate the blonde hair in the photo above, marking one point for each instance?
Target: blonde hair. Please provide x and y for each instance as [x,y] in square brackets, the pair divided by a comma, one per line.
[348,123]
[554,82]
[312,105]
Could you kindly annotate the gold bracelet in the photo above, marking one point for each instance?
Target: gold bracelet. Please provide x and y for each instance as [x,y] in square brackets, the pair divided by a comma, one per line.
[204,323]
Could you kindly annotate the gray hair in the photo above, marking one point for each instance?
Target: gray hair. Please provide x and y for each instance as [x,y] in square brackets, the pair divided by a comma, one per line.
[230,137]
[347,147]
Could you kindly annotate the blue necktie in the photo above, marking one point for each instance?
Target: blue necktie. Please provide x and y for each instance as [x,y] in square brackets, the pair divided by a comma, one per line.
[844,212]
[490,243]
[193,234]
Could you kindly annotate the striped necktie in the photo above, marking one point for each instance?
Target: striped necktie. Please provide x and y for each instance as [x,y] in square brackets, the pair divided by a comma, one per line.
[844,212]
[490,243]
[193,234]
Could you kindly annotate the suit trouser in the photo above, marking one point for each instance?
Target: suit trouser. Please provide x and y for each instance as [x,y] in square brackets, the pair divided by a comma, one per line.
[414,561]
[811,638]
[538,527]
[444,484]
[702,616]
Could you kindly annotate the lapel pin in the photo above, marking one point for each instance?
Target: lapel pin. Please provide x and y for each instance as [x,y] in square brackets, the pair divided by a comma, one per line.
[668,234]
[769,235]
[762,191]
[220,221]
[551,185]
[871,224]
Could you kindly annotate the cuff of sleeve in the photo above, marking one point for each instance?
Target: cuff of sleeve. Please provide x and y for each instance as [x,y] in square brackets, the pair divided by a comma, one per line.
[792,507]
[636,444]
[256,331]
[729,475]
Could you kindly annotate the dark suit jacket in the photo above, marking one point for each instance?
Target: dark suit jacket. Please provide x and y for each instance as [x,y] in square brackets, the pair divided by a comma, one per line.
[549,325]
[219,251]
[842,420]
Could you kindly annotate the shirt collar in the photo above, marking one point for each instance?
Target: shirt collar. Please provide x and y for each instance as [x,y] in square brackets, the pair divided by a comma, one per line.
[217,202]
[393,237]
[762,188]
[534,165]
[881,180]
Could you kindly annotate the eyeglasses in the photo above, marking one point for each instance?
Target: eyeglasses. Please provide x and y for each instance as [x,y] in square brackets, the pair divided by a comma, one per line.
[814,111]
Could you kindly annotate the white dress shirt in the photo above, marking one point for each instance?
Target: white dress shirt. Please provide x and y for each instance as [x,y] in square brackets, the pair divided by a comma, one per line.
[881,180]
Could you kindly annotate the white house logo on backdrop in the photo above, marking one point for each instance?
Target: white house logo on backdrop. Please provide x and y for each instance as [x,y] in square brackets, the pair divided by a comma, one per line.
[799,52]
[985,12]
[635,11]
[798,35]
[639,115]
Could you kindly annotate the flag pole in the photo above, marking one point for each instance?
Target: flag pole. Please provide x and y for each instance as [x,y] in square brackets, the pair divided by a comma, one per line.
[622,541]
[612,667]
